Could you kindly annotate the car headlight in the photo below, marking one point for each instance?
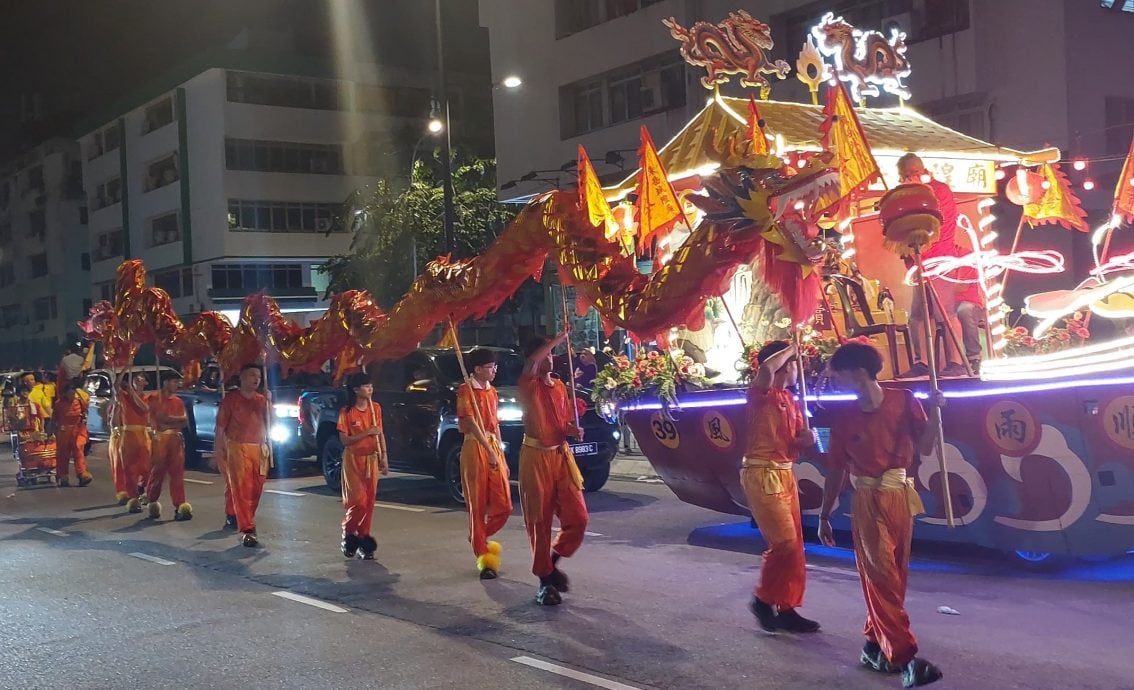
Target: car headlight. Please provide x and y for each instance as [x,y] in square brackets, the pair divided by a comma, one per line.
[285,410]
[510,413]
[279,433]
[616,434]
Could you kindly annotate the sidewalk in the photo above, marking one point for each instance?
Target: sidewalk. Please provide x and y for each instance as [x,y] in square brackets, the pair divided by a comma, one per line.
[634,466]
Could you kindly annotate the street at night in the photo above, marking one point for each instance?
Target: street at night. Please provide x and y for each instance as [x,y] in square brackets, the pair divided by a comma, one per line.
[95,597]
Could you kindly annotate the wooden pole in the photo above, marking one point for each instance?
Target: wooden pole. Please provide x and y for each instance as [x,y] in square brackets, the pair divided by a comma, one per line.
[570,357]
[735,327]
[935,389]
[802,380]
[949,330]
[465,374]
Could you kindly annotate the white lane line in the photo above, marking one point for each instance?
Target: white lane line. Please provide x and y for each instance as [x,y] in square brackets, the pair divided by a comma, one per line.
[310,602]
[283,493]
[151,559]
[198,481]
[395,506]
[572,673]
[557,530]
[55,532]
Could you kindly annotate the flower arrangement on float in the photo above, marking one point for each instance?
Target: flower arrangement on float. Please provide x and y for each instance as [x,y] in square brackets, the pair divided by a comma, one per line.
[653,373]
[1072,333]
[815,349]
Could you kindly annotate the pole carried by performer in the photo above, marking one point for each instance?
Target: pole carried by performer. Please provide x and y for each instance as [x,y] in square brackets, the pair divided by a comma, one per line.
[484,470]
[777,433]
[550,482]
[364,458]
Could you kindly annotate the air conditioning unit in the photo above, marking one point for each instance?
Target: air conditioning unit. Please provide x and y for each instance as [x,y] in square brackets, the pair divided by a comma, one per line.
[903,22]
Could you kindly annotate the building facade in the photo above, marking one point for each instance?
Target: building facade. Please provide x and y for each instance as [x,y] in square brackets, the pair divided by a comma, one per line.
[44,255]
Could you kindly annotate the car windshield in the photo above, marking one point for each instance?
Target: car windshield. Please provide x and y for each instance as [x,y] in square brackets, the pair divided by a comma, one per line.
[509,367]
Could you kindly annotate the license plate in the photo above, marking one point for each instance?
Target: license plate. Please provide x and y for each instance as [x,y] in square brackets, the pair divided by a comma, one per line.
[584,449]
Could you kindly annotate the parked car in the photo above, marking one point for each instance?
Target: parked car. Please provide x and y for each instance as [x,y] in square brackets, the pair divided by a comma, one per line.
[100,385]
[418,398]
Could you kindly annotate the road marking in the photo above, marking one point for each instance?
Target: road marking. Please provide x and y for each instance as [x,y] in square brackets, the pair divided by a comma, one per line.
[55,532]
[310,602]
[283,493]
[198,481]
[151,559]
[572,673]
[395,506]
[585,534]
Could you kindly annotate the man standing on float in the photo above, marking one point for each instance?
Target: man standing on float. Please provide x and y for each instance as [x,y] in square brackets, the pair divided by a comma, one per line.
[776,435]
[484,472]
[550,483]
[242,442]
[874,440]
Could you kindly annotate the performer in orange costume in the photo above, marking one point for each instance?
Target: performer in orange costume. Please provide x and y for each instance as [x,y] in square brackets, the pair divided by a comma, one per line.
[242,446]
[70,421]
[113,422]
[484,472]
[875,441]
[169,418]
[134,444]
[364,457]
[776,435]
[550,483]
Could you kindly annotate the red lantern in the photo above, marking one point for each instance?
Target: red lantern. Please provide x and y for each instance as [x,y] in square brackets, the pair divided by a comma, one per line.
[910,215]
[1025,188]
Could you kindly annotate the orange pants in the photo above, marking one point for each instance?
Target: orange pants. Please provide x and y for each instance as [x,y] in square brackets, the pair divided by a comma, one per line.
[245,468]
[773,497]
[883,529]
[360,486]
[114,456]
[168,458]
[549,488]
[488,494]
[69,444]
[135,451]
[222,468]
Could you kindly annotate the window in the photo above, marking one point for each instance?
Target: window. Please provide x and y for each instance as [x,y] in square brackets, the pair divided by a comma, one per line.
[85,261]
[5,234]
[399,101]
[653,85]
[110,138]
[573,16]
[37,224]
[253,277]
[919,19]
[108,245]
[107,194]
[1123,5]
[282,216]
[10,315]
[271,156]
[967,114]
[35,179]
[286,92]
[158,115]
[1119,124]
[106,290]
[103,142]
[84,216]
[165,229]
[177,282]
[38,265]
[161,173]
[7,274]
[44,308]
[87,304]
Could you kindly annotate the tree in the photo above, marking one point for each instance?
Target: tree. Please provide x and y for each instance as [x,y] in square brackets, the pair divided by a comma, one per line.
[391,223]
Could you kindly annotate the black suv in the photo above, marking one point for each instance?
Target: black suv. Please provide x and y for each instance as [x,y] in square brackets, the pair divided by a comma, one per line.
[418,398]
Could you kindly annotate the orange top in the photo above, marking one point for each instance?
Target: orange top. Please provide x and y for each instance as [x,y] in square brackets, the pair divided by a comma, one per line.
[130,413]
[69,409]
[487,402]
[165,407]
[774,419]
[243,420]
[353,421]
[869,443]
[547,410]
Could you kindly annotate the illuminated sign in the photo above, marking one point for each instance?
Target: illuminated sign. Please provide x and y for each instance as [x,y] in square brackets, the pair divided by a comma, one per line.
[866,60]
[963,175]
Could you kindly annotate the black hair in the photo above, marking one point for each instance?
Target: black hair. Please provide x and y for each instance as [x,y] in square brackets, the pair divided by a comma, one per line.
[857,356]
[352,382]
[167,376]
[770,349]
[533,345]
[479,357]
[252,365]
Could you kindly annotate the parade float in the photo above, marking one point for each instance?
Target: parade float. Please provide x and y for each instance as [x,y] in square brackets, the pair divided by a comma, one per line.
[769,210]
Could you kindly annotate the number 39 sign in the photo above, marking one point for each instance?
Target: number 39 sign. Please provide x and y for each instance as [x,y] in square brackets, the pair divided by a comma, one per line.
[665,431]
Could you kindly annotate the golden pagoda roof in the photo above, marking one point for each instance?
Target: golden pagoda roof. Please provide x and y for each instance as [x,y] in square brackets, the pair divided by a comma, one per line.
[890,131]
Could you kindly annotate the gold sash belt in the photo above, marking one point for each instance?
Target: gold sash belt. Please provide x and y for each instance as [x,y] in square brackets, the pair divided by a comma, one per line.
[576,475]
[770,473]
[892,480]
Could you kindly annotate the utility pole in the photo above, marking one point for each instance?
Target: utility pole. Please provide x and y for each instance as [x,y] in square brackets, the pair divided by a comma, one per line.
[446,149]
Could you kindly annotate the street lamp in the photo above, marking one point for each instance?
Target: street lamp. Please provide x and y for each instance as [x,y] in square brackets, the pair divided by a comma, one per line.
[441,117]
[512,82]
[435,125]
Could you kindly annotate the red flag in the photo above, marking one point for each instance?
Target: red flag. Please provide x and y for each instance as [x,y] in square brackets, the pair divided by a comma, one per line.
[658,207]
[756,129]
[843,137]
[1124,192]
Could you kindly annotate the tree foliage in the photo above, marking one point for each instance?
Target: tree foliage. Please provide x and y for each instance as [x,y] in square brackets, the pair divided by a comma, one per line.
[389,220]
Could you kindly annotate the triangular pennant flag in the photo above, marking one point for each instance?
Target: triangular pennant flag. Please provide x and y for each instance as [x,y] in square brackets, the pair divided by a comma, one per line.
[1058,204]
[842,135]
[658,207]
[1124,192]
[591,198]
[756,135]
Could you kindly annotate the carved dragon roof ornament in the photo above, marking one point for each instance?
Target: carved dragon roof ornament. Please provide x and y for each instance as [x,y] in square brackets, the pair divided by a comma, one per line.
[866,60]
[736,46]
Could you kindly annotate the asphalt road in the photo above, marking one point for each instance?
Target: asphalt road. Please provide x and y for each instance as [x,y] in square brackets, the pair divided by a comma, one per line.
[91,597]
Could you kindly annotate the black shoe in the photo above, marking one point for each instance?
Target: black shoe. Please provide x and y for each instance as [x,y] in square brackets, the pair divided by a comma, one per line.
[349,545]
[367,545]
[548,595]
[141,490]
[64,482]
[873,659]
[919,672]
[558,578]
[85,479]
[764,613]
[791,621]
[488,574]
[954,370]
[230,522]
[249,539]
[919,369]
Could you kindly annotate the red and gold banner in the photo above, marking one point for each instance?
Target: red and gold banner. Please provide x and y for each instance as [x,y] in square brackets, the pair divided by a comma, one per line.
[1058,205]
[1124,192]
[591,197]
[842,135]
[658,207]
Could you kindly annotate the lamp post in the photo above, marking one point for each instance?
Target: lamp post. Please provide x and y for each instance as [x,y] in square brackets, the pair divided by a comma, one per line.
[442,115]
